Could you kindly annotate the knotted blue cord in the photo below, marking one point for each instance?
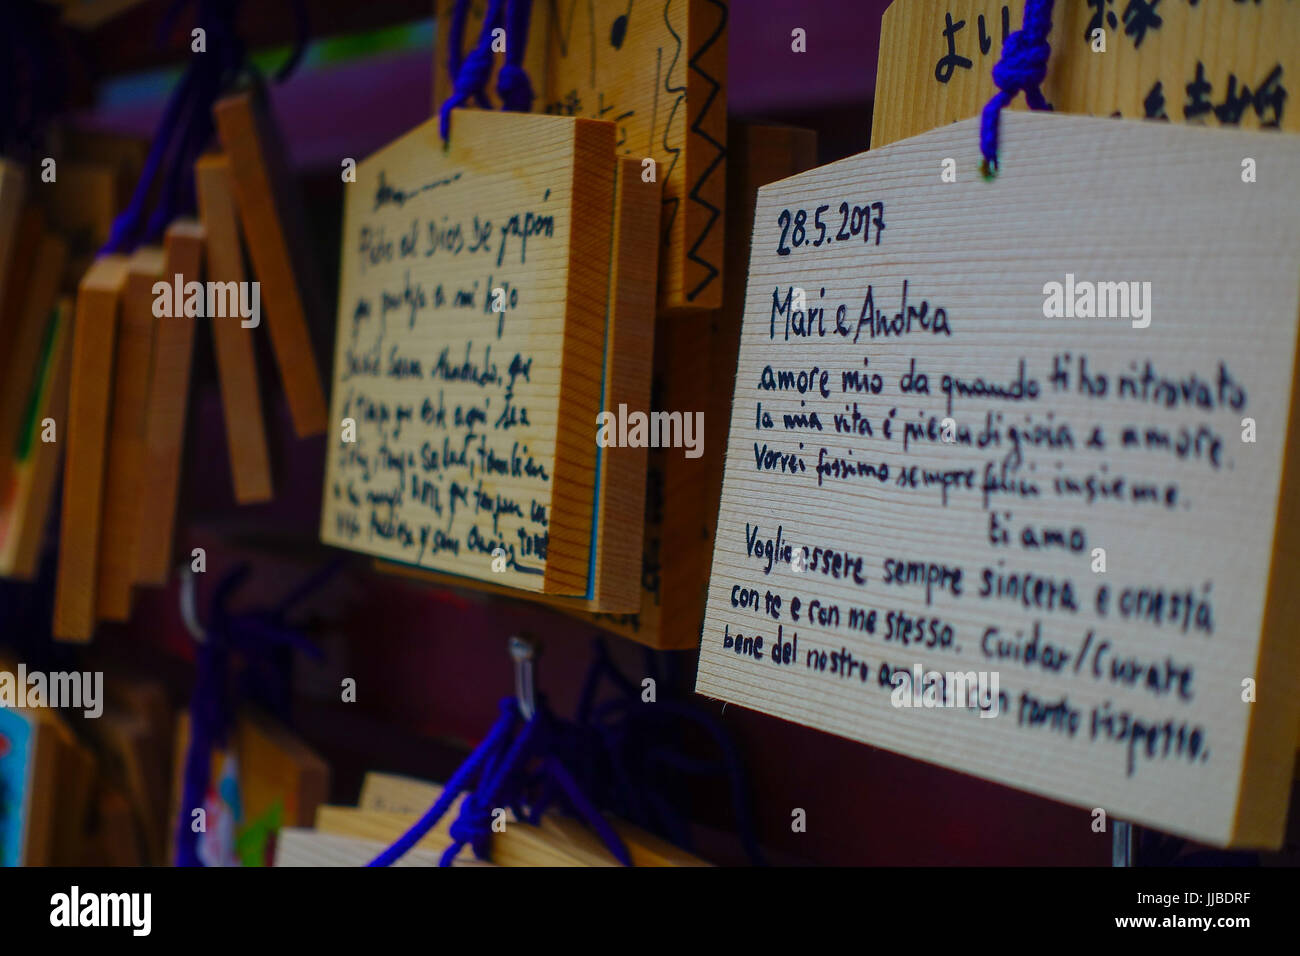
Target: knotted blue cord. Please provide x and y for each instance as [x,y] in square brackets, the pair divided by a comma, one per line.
[1022,68]
[473,825]
[469,73]
[258,636]
[513,87]
[496,775]
[486,753]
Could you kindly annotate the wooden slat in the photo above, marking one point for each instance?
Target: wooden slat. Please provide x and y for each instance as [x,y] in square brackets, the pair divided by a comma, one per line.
[298,846]
[169,394]
[695,364]
[91,389]
[123,504]
[280,248]
[241,397]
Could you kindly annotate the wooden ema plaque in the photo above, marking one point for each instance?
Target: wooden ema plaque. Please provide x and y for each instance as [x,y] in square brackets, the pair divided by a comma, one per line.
[658,72]
[470,348]
[950,496]
[168,407]
[278,244]
[232,342]
[1188,63]
[90,396]
[616,578]
[1206,64]
[124,468]
[694,367]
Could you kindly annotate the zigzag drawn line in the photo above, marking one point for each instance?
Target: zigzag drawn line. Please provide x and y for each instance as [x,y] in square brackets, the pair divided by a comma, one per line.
[714,212]
[670,203]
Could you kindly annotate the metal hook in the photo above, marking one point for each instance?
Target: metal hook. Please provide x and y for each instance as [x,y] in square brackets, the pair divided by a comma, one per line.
[523,651]
[189,611]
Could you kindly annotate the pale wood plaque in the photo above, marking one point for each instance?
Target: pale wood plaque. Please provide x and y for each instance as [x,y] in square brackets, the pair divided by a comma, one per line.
[1206,64]
[987,390]
[470,349]
[658,71]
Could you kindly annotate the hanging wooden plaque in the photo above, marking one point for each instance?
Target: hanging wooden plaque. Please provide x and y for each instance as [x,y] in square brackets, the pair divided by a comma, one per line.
[470,349]
[89,400]
[620,501]
[1206,64]
[124,469]
[168,407]
[658,72]
[232,339]
[1021,450]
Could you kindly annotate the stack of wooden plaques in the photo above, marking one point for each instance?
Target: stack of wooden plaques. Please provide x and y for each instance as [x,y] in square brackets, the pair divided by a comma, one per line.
[390,805]
[125,433]
[49,219]
[132,356]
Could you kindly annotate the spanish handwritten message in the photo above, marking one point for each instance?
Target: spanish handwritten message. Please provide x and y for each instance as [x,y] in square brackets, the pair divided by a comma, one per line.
[1004,487]
[469,349]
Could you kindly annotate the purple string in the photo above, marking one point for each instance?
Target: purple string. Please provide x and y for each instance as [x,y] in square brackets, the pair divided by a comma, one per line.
[469,73]
[513,87]
[473,826]
[1021,68]
[257,635]
[486,752]
[187,126]
[495,775]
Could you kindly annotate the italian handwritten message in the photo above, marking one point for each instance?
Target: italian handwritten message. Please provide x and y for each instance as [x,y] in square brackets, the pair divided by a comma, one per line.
[1004,465]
